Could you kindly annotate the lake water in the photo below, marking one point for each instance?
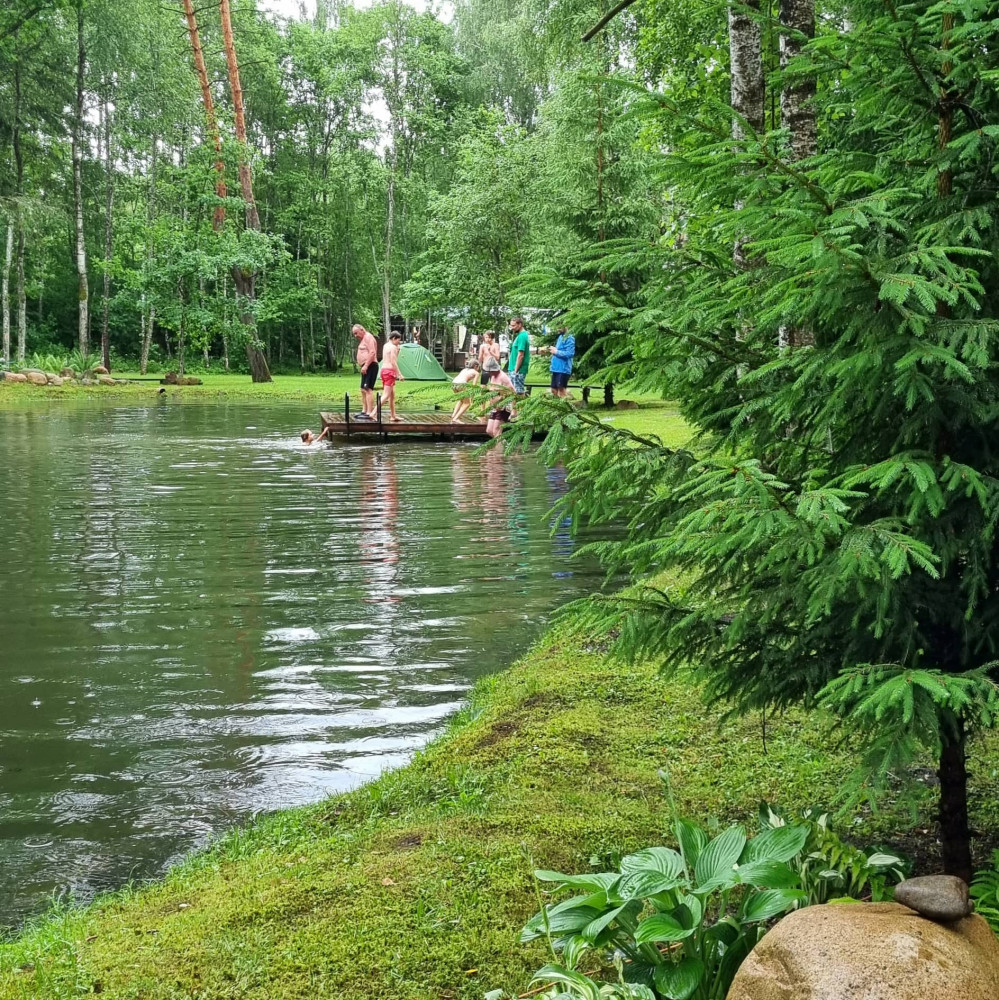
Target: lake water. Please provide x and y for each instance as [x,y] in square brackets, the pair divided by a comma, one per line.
[201,619]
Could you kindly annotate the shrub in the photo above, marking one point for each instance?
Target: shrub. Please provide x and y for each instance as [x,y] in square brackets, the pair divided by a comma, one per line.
[676,924]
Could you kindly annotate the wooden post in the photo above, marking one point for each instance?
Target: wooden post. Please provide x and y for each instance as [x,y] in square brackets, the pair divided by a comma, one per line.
[586,395]
[346,412]
[608,395]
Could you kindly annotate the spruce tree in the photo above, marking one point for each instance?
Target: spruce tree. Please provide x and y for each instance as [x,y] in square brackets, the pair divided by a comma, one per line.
[831,537]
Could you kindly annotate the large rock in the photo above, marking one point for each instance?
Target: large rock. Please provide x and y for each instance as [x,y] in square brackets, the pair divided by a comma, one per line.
[37,378]
[106,380]
[14,377]
[870,951]
[101,370]
[55,380]
[943,898]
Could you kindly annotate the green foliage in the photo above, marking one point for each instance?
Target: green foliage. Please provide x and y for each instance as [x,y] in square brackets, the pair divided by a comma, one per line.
[828,867]
[985,893]
[839,503]
[677,923]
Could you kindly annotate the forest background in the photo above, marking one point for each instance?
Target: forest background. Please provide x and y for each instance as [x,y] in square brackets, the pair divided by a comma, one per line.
[406,165]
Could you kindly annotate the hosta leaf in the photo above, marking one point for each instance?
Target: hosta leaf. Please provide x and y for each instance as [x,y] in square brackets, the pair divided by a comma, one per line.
[768,875]
[663,860]
[593,883]
[594,928]
[690,912]
[661,927]
[767,904]
[569,917]
[883,860]
[578,984]
[641,885]
[779,844]
[716,863]
[692,840]
[678,981]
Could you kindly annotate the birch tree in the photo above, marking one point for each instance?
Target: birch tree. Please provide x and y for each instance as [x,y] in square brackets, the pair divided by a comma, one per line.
[83,329]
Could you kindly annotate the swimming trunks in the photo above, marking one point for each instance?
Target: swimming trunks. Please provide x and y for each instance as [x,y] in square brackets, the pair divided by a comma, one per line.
[389,376]
[503,416]
[368,377]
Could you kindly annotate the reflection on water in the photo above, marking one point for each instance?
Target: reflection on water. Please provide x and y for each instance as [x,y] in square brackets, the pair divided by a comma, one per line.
[202,619]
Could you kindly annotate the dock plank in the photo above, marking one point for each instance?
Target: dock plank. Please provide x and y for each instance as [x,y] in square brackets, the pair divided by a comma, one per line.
[429,424]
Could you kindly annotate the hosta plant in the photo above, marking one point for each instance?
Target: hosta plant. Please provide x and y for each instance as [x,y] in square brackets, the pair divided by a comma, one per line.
[675,923]
[831,868]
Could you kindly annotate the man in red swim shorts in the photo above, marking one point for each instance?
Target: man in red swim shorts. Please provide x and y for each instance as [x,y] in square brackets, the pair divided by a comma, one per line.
[390,371]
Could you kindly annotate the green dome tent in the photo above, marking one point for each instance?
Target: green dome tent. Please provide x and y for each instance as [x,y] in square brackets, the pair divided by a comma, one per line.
[418,364]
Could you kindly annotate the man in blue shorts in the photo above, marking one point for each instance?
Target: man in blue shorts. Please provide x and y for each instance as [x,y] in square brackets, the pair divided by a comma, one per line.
[562,354]
[520,355]
[367,361]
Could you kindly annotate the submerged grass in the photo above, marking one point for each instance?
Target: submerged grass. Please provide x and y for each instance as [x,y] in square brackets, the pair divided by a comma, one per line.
[416,885]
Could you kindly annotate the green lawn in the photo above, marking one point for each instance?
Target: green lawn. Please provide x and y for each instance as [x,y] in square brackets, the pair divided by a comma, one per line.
[326,392]
[415,886]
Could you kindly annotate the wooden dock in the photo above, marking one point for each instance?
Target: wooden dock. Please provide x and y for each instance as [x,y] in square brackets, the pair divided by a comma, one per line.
[432,425]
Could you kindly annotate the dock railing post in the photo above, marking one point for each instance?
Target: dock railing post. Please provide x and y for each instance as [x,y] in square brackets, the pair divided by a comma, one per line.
[346,412]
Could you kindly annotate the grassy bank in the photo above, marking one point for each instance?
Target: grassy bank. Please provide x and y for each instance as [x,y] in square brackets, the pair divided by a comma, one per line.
[415,886]
[313,392]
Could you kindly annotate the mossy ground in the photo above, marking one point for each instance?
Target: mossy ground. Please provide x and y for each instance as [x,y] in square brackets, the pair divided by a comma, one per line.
[416,885]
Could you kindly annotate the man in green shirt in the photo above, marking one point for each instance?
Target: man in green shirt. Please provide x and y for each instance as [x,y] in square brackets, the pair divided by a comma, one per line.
[520,355]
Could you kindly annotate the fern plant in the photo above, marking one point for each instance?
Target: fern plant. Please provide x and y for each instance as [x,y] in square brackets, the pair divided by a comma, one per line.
[985,893]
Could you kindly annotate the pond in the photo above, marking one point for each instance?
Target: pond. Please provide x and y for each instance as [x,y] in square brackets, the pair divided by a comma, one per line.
[201,620]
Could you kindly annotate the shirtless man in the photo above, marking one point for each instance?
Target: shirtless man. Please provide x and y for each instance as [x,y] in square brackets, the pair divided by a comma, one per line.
[488,349]
[367,360]
[390,371]
[501,414]
[469,375]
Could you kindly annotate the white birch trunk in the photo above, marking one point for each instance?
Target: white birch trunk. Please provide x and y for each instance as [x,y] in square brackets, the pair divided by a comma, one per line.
[747,85]
[22,299]
[746,61]
[797,100]
[81,246]
[797,112]
[5,290]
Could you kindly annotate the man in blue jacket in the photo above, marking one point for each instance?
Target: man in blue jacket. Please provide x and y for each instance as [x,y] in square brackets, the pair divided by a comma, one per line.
[562,354]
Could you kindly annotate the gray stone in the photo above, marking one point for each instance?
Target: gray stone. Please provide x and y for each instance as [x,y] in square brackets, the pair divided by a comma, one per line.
[938,897]
[55,380]
[870,951]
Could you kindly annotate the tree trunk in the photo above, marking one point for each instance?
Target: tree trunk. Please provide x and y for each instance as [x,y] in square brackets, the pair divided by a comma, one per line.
[797,100]
[955,833]
[748,95]
[797,111]
[83,327]
[22,300]
[746,58]
[22,308]
[181,332]
[5,290]
[945,178]
[218,218]
[386,272]
[147,333]
[245,281]
[108,236]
